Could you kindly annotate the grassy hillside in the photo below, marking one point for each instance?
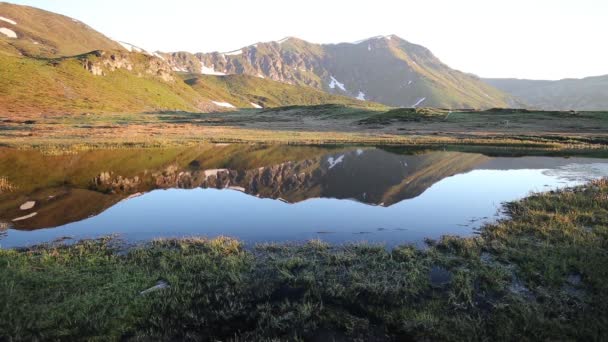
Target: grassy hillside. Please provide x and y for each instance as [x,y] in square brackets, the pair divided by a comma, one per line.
[247,91]
[47,34]
[589,93]
[124,82]
[59,86]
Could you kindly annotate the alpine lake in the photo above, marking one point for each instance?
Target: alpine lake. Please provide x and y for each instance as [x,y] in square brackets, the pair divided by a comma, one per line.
[272,193]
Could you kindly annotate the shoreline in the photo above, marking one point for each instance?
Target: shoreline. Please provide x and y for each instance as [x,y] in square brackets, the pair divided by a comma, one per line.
[538,274]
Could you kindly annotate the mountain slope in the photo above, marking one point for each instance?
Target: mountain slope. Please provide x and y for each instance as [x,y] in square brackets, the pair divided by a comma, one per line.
[245,91]
[97,82]
[589,93]
[383,69]
[34,32]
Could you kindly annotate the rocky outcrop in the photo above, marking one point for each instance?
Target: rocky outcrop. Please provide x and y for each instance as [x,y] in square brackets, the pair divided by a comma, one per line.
[99,63]
[108,182]
[277,181]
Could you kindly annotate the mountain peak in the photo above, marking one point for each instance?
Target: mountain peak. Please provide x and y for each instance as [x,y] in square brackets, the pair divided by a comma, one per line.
[386,37]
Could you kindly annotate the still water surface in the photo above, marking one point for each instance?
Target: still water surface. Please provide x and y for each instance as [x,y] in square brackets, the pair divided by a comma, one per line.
[270,193]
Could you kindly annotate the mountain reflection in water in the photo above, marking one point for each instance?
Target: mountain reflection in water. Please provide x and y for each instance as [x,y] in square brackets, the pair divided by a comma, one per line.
[338,194]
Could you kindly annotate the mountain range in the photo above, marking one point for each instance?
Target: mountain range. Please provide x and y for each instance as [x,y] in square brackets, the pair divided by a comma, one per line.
[51,64]
[385,69]
[590,93]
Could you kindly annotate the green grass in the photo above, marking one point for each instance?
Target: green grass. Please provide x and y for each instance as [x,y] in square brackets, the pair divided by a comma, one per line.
[42,87]
[46,34]
[243,90]
[406,115]
[539,275]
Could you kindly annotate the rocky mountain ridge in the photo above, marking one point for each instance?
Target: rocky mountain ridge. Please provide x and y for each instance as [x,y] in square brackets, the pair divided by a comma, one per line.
[384,69]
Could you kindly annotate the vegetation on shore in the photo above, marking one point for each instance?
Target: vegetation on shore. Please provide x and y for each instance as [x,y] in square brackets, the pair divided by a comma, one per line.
[538,275]
[312,125]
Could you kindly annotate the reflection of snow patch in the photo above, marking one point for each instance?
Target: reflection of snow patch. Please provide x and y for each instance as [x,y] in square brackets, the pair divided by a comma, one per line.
[335,83]
[27,205]
[361,96]
[333,162]
[579,172]
[8,32]
[359,151]
[419,101]
[10,21]
[25,217]
[223,104]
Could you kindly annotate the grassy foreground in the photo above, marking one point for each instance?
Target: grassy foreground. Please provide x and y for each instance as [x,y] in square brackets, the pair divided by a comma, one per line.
[540,275]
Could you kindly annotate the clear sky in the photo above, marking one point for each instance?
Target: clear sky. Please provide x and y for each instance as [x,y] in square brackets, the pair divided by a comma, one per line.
[542,39]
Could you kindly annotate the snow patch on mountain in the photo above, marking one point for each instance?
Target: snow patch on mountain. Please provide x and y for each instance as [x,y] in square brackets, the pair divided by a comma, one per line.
[333,162]
[372,38]
[234,53]
[261,76]
[223,104]
[255,105]
[205,70]
[8,32]
[132,48]
[180,69]
[283,40]
[156,54]
[420,100]
[10,21]
[361,96]
[335,83]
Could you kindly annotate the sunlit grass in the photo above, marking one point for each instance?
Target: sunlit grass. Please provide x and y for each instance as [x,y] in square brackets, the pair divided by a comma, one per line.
[538,275]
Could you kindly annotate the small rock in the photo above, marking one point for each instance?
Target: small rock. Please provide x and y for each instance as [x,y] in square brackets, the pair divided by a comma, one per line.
[574,279]
[440,276]
[161,284]
[27,205]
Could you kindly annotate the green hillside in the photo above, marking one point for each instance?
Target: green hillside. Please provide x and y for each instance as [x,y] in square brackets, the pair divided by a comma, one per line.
[247,91]
[59,86]
[44,34]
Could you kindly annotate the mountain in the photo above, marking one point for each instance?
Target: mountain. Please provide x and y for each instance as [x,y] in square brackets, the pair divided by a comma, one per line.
[52,64]
[34,32]
[385,69]
[589,93]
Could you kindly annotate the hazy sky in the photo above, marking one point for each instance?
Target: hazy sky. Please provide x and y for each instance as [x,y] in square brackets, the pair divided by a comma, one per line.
[543,39]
